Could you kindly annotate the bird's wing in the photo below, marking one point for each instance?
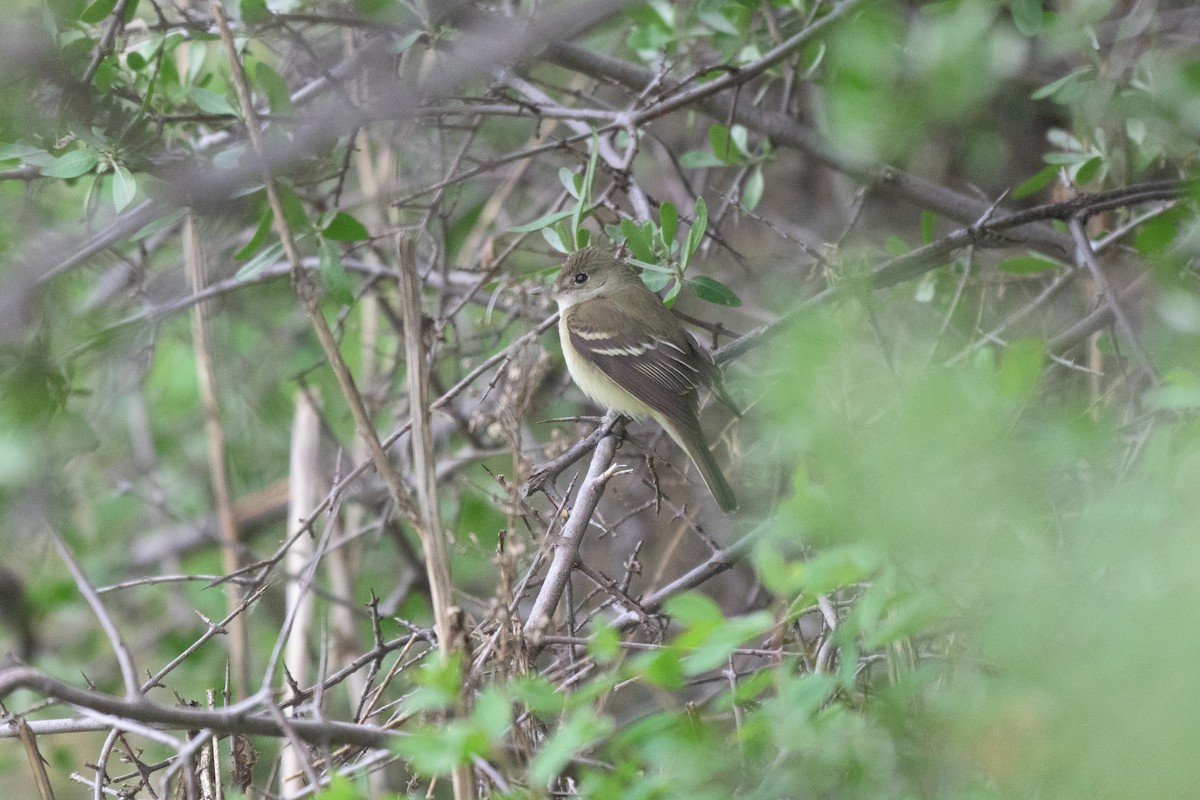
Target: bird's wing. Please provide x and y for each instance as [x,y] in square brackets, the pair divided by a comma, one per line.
[656,363]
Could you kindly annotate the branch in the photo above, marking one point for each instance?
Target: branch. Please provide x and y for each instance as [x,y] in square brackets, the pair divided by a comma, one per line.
[218,459]
[1086,255]
[981,234]
[566,549]
[433,540]
[120,649]
[715,564]
[304,284]
[180,717]
[783,130]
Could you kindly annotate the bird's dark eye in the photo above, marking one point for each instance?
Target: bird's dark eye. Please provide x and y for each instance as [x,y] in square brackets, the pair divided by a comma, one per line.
[581,277]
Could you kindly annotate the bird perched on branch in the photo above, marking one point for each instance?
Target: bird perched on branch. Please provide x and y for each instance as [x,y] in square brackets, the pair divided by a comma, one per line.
[624,349]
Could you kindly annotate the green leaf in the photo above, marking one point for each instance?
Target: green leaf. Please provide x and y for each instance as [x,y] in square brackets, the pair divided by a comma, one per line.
[73,164]
[492,712]
[696,234]
[124,187]
[896,246]
[260,262]
[1027,16]
[552,237]
[713,647]
[1035,182]
[656,281]
[162,223]
[542,221]
[210,102]
[753,193]
[19,151]
[1088,170]
[438,750]
[926,288]
[662,667]
[333,274]
[1052,88]
[340,788]
[97,11]
[255,11]
[345,228]
[279,95]
[541,696]
[260,236]
[698,159]
[672,293]
[571,738]
[668,221]
[718,22]
[693,608]
[639,240]
[582,205]
[404,42]
[1027,264]
[293,208]
[1155,236]
[571,181]
[722,144]
[713,291]
[928,226]
[740,136]
[439,684]
[105,76]
[604,644]
[1021,368]
[1180,391]
[837,569]
[912,616]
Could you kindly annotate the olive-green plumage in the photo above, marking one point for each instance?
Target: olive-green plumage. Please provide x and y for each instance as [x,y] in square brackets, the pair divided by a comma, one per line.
[626,350]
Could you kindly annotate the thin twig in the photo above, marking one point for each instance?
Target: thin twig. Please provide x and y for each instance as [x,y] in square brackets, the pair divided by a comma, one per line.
[1087,256]
[120,649]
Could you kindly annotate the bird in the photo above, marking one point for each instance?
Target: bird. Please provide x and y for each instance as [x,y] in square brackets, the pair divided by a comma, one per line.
[627,351]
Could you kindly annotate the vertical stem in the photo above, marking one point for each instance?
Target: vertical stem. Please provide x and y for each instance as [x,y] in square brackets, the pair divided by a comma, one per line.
[430,527]
[302,499]
[305,286]
[218,468]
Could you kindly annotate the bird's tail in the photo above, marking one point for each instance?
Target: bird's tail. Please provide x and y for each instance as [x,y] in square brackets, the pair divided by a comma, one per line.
[692,441]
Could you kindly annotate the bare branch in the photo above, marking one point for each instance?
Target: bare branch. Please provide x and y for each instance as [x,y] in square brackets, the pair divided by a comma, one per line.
[226,721]
[120,649]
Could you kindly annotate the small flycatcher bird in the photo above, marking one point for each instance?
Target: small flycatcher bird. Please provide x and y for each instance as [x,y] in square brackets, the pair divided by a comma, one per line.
[624,349]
